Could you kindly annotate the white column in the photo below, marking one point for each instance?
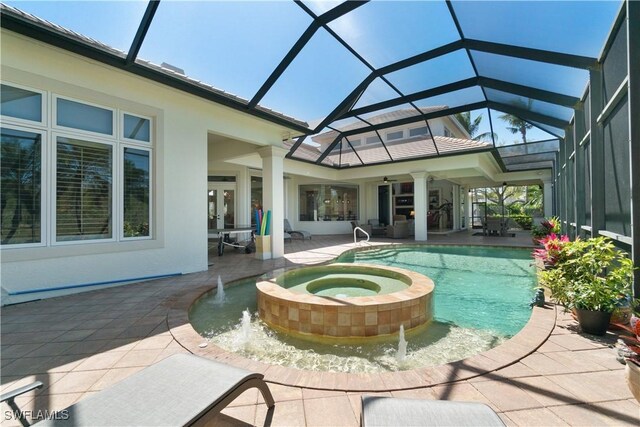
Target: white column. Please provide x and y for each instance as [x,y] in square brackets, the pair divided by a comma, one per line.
[547,202]
[420,204]
[455,207]
[273,194]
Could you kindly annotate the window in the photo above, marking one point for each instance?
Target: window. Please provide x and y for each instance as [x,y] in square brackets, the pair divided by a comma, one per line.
[136,128]
[447,132]
[328,202]
[21,103]
[86,117]
[136,192]
[84,191]
[20,187]
[373,140]
[355,142]
[98,170]
[421,131]
[391,136]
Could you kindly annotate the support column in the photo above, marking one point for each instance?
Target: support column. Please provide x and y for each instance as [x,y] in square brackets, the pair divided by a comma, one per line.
[455,207]
[633,45]
[420,205]
[547,202]
[578,172]
[273,194]
[597,151]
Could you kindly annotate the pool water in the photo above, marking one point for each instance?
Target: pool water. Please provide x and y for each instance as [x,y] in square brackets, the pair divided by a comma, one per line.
[481,299]
[322,281]
[475,287]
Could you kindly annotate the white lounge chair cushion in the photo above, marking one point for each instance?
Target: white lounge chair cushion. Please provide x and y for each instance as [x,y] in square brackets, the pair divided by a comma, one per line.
[390,411]
[174,392]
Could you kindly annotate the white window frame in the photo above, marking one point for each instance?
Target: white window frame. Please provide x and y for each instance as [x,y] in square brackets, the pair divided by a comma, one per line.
[43,111]
[90,134]
[115,223]
[136,141]
[422,134]
[49,131]
[394,139]
[142,147]
[44,186]
[366,140]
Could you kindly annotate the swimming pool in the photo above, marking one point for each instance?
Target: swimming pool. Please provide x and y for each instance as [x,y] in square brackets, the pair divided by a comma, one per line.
[481,299]
[476,287]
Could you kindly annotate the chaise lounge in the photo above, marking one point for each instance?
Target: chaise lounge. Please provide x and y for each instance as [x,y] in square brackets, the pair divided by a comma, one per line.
[296,233]
[390,411]
[183,389]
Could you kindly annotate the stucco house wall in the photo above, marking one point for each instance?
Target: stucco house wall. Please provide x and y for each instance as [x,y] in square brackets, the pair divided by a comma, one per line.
[181,123]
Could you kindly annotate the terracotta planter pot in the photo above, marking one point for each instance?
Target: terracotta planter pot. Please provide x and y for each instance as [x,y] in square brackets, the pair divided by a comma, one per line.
[632,374]
[593,322]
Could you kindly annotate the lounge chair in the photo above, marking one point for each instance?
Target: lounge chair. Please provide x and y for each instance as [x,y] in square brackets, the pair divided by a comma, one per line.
[391,411]
[376,228]
[399,229]
[299,233]
[183,389]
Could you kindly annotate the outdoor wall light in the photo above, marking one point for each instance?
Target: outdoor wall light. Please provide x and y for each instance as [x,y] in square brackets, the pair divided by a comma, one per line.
[385,180]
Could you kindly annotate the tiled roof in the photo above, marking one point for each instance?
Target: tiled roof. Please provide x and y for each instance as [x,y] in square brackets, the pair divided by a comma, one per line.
[416,147]
[384,118]
[406,149]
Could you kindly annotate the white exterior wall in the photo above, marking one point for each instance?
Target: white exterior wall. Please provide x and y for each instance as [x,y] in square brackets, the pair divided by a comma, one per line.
[181,124]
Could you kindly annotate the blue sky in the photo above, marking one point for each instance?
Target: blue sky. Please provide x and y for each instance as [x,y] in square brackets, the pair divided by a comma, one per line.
[234,46]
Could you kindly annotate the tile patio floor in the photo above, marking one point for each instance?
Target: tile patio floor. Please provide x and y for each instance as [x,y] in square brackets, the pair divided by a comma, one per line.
[79,344]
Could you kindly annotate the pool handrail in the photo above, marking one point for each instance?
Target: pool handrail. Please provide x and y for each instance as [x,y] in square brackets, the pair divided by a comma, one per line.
[355,230]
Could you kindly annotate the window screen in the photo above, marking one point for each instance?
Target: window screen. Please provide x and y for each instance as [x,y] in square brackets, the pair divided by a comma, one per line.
[616,171]
[614,68]
[20,186]
[84,178]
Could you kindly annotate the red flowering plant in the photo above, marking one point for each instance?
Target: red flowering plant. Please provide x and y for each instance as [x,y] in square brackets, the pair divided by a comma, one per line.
[548,226]
[551,250]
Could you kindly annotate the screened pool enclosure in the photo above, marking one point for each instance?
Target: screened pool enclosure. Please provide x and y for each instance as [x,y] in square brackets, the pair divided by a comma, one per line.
[568,71]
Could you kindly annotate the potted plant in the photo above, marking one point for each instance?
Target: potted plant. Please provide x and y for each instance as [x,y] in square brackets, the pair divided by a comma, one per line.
[545,228]
[590,276]
[548,255]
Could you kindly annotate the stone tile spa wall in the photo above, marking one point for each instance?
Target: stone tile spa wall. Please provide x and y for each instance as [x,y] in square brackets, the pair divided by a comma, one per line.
[311,316]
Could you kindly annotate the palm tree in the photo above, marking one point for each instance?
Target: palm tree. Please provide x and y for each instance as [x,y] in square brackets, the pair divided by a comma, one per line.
[472,126]
[516,124]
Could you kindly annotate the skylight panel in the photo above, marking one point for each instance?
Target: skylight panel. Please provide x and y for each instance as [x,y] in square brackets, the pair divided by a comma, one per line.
[233,46]
[575,27]
[385,32]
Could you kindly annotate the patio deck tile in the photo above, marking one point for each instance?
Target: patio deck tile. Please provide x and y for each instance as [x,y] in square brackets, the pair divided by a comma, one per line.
[85,342]
[535,417]
[330,411]
[506,395]
[588,415]
[287,413]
